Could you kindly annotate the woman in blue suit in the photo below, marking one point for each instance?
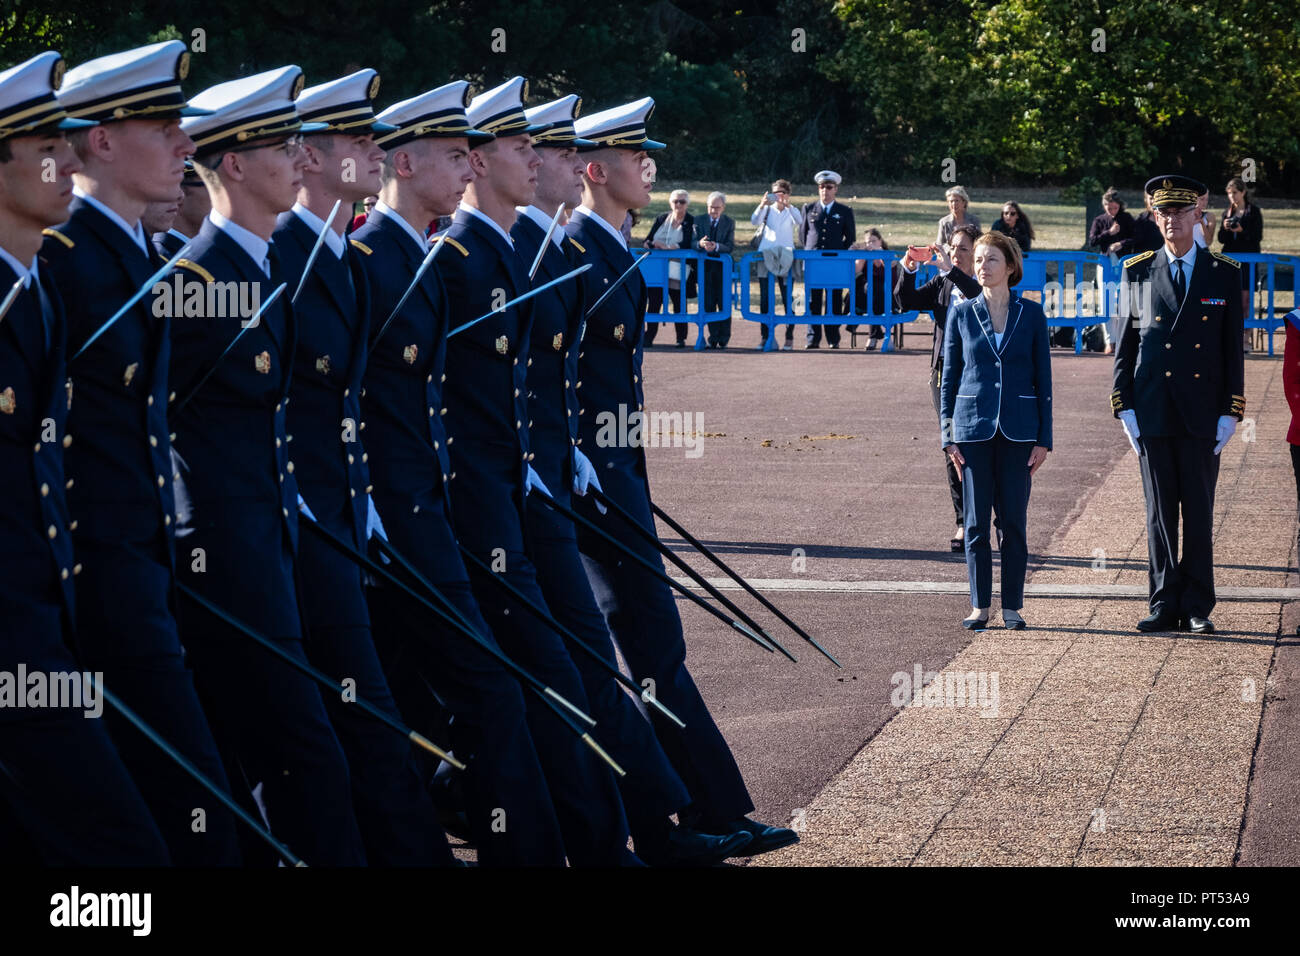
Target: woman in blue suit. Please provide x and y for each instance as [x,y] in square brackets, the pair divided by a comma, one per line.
[996,418]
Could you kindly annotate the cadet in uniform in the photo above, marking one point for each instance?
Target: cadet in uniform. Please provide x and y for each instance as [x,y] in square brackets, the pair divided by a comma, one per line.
[191,208]
[511,817]
[61,780]
[232,377]
[487,419]
[640,611]
[827,224]
[652,790]
[1179,392]
[396,816]
[119,451]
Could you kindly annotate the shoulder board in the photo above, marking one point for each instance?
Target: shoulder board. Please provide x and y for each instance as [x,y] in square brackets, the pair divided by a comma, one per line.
[195,267]
[453,243]
[1140,257]
[362,246]
[577,245]
[1228,259]
[59,236]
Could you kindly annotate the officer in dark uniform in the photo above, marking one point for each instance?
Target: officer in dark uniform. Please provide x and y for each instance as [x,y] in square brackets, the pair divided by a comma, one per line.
[119,451]
[487,420]
[640,611]
[61,780]
[396,816]
[827,224]
[511,817]
[232,440]
[652,789]
[1179,392]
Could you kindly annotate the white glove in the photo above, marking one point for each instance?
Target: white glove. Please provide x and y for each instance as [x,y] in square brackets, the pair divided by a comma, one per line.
[302,506]
[532,480]
[584,474]
[373,525]
[1129,419]
[1227,428]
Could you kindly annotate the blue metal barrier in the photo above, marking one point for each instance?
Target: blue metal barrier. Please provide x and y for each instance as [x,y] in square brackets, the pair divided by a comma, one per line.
[655,271]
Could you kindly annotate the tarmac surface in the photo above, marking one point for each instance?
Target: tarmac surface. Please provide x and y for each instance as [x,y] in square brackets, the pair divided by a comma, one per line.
[1078,741]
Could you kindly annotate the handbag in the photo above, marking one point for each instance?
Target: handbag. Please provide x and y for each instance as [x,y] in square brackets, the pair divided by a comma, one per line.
[758,233]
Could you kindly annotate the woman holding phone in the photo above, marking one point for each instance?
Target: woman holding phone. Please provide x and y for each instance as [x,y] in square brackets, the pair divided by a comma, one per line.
[996,420]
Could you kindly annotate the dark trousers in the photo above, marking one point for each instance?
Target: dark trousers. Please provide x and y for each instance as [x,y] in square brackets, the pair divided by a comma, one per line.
[582,786]
[783,285]
[996,477]
[127,630]
[839,306]
[719,331]
[655,305]
[394,811]
[434,669]
[954,480]
[1180,474]
[641,614]
[652,789]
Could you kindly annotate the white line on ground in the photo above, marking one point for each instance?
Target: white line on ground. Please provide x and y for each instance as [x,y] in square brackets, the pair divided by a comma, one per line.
[961,587]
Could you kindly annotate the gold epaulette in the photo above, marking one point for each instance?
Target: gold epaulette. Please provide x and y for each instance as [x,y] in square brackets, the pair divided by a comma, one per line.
[452,242]
[1116,401]
[1228,259]
[59,236]
[577,245]
[362,246]
[1237,406]
[195,267]
[1140,257]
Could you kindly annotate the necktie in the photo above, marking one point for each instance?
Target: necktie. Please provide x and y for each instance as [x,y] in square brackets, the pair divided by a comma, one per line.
[1180,283]
[713,229]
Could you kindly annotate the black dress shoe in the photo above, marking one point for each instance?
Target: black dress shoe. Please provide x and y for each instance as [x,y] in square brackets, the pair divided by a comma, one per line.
[1200,625]
[1158,621]
[764,838]
[682,846]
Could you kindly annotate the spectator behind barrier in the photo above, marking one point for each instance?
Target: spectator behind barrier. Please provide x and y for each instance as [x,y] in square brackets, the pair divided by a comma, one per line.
[1014,223]
[827,224]
[1242,230]
[674,229]
[1112,228]
[778,225]
[715,237]
[958,214]
[881,284]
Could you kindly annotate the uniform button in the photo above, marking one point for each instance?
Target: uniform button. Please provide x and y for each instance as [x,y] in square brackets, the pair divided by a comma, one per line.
[281,477]
[369,488]
[1205,318]
[444,377]
[442,411]
[579,385]
[53,532]
[450,439]
[1169,345]
[64,574]
[525,458]
[37,447]
[149,400]
[435,446]
[566,383]
[453,474]
[516,361]
[995,364]
[346,392]
[1167,374]
[568,412]
[285,511]
[365,456]
[415,510]
[351,460]
[430,411]
[67,440]
[161,481]
[530,456]
[45,490]
[171,398]
[582,411]
[278,406]
[580,442]
[1157,318]
[68,485]
[76,569]
[363,426]
[516,393]
[444,476]
[72,526]
[635,378]
[1196,375]
[530,362]
[167,519]
[172,437]
[153,441]
[430,378]
[352,492]
[530,423]
[278,443]
[289,468]
[518,424]
[997,384]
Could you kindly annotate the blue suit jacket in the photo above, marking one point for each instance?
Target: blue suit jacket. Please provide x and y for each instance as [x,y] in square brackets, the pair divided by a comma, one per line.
[553,348]
[325,414]
[487,402]
[403,405]
[232,438]
[986,389]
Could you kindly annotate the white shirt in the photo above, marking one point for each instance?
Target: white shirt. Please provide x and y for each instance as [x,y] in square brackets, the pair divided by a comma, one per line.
[135,232]
[781,226]
[384,209]
[1198,235]
[1188,260]
[26,273]
[316,224]
[596,217]
[478,213]
[997,338]
[543,222]
[253,244]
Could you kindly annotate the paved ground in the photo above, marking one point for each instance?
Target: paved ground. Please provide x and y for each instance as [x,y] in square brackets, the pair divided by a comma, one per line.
[820,474]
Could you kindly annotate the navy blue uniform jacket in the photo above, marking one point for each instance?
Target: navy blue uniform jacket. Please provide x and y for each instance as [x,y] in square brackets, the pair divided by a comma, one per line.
[986,389]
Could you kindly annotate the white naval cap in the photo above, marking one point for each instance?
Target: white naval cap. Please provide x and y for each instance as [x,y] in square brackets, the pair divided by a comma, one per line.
[345,105]
[439,112]
[249,108]
[145,81]
[619,127]
[500,110]
[827,176]
[28,105]
[555,120]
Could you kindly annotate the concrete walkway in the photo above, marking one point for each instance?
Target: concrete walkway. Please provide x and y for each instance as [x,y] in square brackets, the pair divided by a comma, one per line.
[1081,741]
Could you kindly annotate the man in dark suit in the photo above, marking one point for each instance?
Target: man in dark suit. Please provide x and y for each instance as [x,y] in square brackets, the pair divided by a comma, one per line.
[715,235]
[954,284]
[232,377]
[652,790]
[396,816]
[827,224]
[62,781]
[118,454]
[639,611]
[1179,393]
[425,173]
